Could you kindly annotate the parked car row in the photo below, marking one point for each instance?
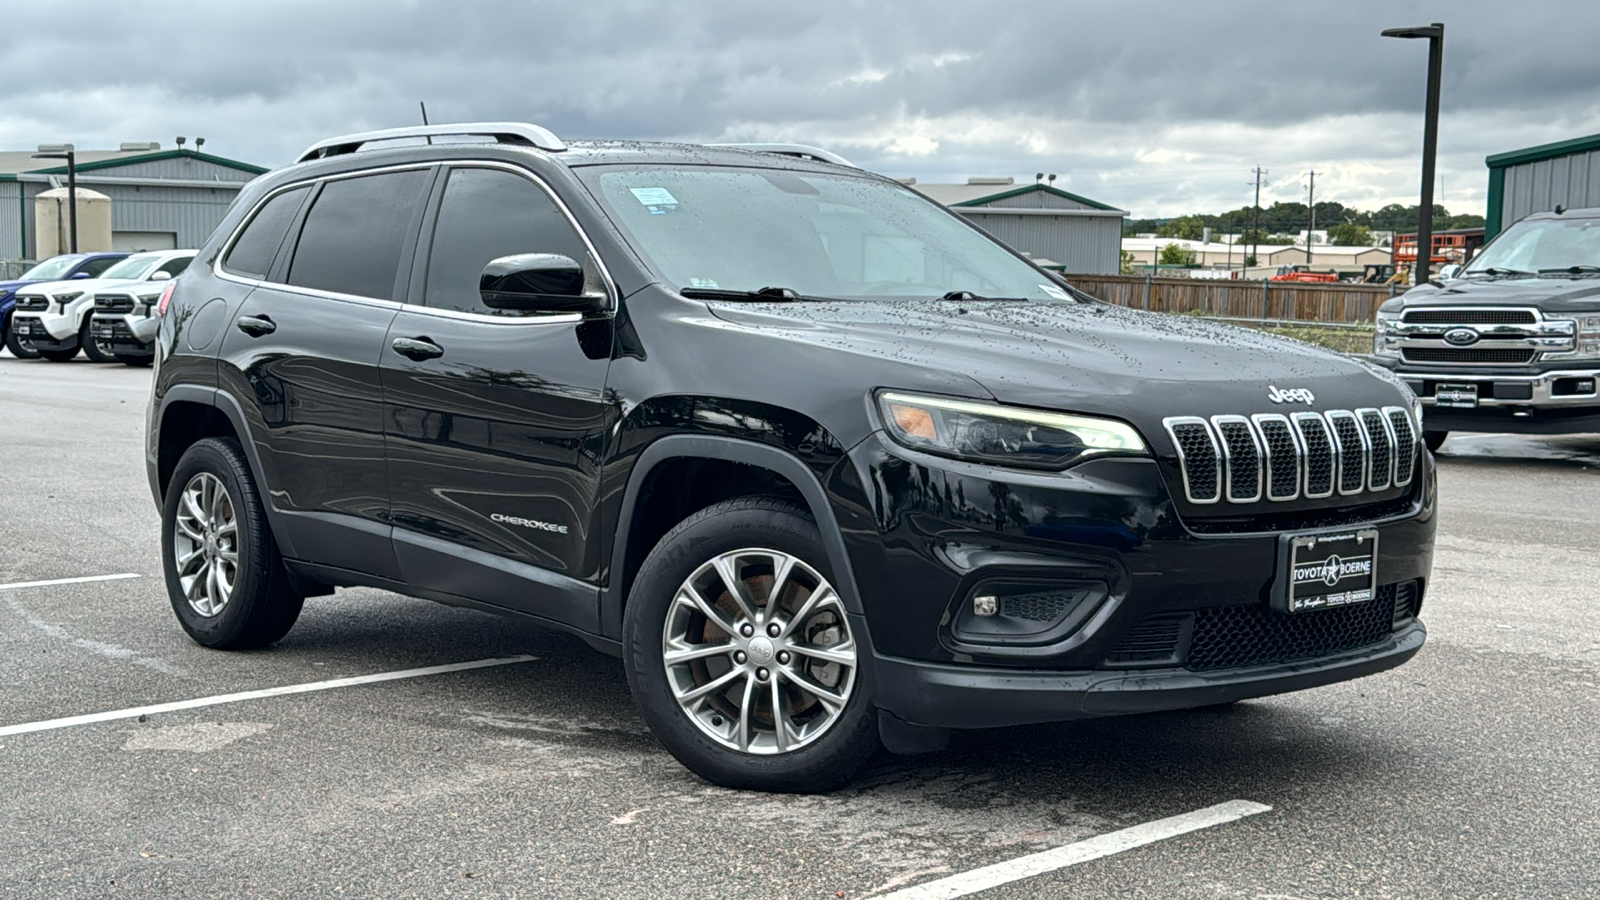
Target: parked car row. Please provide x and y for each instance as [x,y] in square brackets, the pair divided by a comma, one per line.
[100,303]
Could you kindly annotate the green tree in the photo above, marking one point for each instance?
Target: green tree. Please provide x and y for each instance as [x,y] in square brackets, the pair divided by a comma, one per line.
[1189,228]
[1176,255]
[1127,263]
[1349,234]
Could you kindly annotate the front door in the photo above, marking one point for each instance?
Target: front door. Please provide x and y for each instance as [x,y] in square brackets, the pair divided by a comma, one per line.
[495,420]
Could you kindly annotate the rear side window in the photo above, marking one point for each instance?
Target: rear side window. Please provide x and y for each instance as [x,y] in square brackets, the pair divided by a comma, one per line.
[486,214]
[175,267]
[353,236]
[253,252]
[99,264]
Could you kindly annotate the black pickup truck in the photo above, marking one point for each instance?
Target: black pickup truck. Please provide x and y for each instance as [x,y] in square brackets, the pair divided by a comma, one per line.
[1512,343]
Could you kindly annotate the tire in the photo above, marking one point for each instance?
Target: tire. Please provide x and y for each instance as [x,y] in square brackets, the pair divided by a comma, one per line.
[59,355]
[1434,439]
[822,744]
[129,359]
[261,606]
[90,348]
[16,348]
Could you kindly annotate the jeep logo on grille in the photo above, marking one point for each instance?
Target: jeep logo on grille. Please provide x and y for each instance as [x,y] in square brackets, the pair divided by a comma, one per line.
[1461,337]
[1291,395]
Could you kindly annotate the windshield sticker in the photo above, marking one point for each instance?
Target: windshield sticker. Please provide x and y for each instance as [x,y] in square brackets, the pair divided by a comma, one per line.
[1055,292]
[702,283]
[658,200]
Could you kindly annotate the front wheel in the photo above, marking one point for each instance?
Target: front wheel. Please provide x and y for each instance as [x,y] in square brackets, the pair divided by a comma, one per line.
[740,653]
[129,359]
[16,347]
[90,348]
[224,576]
[1434,439]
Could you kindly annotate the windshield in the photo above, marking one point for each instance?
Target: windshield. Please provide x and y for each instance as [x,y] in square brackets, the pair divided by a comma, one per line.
[818,235]
[1543,245]
[51,269]
[135,266]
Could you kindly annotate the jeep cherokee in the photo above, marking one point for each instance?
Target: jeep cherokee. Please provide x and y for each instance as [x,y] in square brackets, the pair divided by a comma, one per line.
[827,466]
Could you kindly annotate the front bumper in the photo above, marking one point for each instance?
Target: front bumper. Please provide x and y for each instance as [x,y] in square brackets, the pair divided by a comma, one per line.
[127,334]
[35,331]
[954,696]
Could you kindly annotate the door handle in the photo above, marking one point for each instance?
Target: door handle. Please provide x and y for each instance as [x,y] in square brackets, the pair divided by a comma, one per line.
[256,326]
[417,349]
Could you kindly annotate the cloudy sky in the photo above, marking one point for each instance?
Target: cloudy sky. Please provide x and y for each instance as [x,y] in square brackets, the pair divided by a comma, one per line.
[1160,108]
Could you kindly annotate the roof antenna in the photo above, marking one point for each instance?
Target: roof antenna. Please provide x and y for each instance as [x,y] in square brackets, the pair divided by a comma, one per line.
[424,105]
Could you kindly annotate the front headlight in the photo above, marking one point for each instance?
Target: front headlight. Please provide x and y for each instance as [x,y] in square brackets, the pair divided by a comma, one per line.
[64,299]
[1586,341]
[1004,435]
[1385,337]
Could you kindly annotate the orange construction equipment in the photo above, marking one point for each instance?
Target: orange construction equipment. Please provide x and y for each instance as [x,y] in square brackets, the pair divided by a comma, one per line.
[1446,248]
[1301,273]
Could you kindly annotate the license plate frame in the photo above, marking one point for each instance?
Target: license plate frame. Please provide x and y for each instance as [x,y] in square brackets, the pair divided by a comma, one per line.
[1462,395]
[1326,570]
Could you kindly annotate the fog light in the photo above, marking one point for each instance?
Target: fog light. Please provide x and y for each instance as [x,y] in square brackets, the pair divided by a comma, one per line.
[985,605]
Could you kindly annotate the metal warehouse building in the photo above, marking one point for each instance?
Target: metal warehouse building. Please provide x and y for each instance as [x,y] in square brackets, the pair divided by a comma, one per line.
[1059,230]
[1536,179]
[160,199]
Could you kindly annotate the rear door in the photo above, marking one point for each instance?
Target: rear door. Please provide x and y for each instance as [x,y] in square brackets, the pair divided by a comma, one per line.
[302,354]
[495,420]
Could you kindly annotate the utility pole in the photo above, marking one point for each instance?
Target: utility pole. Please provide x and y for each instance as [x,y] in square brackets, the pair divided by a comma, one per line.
[1255,222]
[1311,204]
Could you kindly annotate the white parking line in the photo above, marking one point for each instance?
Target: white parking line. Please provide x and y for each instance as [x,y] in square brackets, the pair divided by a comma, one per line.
[135,712]
[1094,848]
[16,585]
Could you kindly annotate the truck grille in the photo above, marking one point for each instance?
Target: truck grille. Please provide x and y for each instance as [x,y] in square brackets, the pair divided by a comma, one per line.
[1470,317]
[1507,356]
[113,303]
[1280,457]
[1232,637]
[33,303]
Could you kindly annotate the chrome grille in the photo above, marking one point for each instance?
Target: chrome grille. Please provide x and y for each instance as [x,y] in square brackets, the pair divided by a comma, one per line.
[1484,355]
[33,303]
[113,303]
[1470,317]
[1281,458]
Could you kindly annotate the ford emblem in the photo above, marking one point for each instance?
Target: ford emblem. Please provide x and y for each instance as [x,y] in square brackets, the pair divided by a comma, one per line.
[1461,337]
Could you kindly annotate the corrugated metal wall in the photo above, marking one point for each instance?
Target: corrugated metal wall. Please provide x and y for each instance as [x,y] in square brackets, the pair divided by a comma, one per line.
[11,219]
[188,213]
[1573,181]
[1089,245]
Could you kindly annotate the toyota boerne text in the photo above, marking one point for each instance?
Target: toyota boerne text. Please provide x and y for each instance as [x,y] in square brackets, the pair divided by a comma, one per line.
[828,467]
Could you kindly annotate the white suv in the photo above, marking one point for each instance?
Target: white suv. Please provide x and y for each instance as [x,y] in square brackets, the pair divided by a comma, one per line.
[54,318]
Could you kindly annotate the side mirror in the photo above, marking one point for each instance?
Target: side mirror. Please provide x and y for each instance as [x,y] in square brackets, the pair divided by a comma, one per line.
[77,275]
[1449,272]
[536,282]
[161,276]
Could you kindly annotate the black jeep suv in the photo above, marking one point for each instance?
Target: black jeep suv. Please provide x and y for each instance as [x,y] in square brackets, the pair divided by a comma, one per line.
[826,465]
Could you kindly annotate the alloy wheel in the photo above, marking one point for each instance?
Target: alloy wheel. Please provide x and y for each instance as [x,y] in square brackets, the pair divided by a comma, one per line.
[206,544]
[758,651]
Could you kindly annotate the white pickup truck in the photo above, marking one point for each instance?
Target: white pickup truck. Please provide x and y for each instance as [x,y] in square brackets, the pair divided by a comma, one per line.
[54,318]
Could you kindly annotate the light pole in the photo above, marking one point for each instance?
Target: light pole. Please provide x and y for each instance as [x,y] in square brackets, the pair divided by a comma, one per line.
[66,152]
[1430,140]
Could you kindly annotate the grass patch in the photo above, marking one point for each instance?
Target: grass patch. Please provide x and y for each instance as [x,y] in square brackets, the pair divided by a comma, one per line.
[1344,340]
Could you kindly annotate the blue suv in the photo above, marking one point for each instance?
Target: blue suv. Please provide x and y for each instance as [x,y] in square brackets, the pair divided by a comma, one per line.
[57,268]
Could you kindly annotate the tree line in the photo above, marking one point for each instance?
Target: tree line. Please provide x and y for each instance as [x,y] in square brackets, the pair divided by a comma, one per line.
[1346,226]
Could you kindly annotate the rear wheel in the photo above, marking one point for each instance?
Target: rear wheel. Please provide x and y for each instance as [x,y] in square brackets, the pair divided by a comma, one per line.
[59,355]
[225,579]
[740,653]
[129,359]
[1434,439]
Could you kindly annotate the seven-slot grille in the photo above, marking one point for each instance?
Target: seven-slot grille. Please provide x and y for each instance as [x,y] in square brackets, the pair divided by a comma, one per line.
[113,303]
[1311,455]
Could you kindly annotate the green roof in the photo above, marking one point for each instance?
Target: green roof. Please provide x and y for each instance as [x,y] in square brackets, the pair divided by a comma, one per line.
[1544,151]
[1031,188]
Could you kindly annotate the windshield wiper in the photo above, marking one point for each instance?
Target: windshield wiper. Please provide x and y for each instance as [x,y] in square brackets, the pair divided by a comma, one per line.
[963,296]
[1570,270]
[1496,271]
[766,293]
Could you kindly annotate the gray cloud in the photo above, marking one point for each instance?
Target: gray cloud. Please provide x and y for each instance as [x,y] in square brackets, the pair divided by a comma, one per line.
[1159,108]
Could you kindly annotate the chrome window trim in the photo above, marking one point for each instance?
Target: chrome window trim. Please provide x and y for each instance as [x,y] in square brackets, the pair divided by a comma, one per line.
[1333,449]
[557,319]
[1227,455]
[1372,442]
[1366,451]
[1183,460]
[1412,434]
[1266,453]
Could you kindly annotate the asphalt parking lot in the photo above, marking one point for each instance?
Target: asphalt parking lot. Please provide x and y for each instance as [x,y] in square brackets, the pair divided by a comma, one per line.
[1473,771]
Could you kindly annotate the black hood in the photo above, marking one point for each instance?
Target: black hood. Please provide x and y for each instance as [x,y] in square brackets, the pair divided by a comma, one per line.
[1551,293]
[1084,357]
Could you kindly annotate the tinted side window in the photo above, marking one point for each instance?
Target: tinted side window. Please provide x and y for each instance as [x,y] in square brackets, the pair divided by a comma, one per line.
[253,252]
[486,214]
[355,232]
[95,266]
[175,267]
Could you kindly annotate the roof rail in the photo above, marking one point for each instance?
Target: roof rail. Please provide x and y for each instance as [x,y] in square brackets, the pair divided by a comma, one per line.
[503,132]
[803,151]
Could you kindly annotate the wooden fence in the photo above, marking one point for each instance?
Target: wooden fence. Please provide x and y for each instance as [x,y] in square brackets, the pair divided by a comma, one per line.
[1348,303]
